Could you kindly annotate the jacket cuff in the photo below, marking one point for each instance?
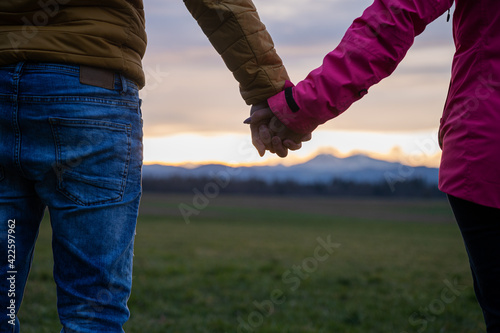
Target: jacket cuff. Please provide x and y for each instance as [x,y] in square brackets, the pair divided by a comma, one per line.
[286,109]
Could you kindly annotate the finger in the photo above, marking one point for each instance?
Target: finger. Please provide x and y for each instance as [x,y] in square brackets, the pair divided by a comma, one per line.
[276,125]
[261,115]
[280,150]
[265,134]
[306,137]
[261,148]
[258,106]
[256,141]
[292,145]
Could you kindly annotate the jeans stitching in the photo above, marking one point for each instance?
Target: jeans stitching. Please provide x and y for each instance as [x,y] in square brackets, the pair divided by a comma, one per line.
[127,163]
[76,99]
[15,115]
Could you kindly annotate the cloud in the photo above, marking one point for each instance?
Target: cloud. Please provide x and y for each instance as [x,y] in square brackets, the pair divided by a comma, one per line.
[291,22]
[170,27]
[309,22]
[307,11]
[189,88]
[191,91]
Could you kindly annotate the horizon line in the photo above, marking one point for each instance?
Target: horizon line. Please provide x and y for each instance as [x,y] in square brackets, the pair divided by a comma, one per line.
[289,161]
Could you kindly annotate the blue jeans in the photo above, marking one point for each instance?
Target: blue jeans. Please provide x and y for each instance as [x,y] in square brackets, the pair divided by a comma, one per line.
[75,149]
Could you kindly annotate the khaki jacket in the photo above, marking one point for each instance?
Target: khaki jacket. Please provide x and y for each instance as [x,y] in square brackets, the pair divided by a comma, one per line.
[108,34]
[111,34]
[235,30]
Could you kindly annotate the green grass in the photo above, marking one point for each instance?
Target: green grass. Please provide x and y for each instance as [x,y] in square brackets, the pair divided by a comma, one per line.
[255,261]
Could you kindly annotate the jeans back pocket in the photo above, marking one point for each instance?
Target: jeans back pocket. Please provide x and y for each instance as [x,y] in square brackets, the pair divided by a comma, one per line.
[92,159]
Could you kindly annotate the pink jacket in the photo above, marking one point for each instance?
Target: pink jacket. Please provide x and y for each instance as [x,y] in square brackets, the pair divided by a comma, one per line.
[372,48]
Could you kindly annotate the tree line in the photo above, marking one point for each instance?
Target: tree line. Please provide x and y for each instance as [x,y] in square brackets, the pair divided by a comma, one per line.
[407,188]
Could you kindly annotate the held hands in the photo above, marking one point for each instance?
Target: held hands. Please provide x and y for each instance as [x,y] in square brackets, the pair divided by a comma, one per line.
[269,133]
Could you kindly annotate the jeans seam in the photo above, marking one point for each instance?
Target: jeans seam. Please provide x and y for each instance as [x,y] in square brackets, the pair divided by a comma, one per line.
[56,67]
[15,116]
[127,162]
[94,100]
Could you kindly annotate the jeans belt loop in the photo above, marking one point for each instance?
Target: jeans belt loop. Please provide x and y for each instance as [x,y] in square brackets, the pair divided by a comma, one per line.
[124,83]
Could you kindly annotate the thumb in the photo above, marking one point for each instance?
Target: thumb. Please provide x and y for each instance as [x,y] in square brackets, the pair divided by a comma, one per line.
[260,115]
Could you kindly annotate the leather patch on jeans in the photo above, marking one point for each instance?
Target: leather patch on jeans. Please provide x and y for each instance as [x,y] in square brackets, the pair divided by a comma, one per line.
[97,77]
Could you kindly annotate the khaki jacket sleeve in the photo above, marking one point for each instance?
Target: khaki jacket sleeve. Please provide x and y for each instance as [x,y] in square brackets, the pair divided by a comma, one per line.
[236,32]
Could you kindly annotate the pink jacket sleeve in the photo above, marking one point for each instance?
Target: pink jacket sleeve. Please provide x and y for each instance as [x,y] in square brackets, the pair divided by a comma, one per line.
[371,49]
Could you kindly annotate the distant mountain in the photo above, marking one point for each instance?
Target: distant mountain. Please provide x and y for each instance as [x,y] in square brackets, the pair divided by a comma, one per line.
[321,169]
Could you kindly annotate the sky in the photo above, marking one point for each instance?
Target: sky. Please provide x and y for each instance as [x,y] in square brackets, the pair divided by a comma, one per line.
[193,112]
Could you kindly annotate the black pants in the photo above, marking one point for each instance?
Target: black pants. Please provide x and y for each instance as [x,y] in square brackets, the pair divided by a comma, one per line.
[480,227]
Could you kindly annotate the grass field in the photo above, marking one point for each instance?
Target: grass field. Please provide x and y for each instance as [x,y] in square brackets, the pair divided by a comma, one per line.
[285,265]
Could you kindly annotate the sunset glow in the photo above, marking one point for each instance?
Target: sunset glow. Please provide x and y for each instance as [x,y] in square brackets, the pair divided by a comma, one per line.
[193,112]
[236,149]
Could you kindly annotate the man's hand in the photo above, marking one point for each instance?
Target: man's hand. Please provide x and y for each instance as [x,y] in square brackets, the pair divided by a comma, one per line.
[269,133]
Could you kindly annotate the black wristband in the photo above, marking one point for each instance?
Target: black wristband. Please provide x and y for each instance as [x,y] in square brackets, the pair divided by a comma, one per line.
[290,100]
